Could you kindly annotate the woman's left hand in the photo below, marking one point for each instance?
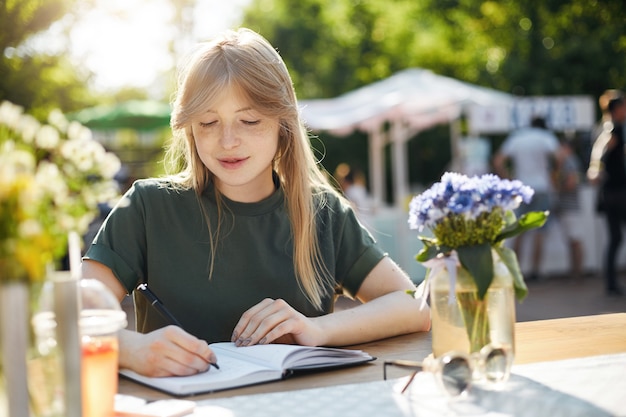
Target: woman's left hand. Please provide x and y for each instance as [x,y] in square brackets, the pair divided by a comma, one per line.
[275,321]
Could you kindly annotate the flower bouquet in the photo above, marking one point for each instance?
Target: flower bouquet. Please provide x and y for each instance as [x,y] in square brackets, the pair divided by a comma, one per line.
[52,178]
[470,218]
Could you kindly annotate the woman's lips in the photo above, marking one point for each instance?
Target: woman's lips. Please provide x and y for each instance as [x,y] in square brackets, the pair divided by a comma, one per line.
[232,163]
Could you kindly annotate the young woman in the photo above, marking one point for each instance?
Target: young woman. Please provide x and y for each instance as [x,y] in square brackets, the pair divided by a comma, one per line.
[247,241]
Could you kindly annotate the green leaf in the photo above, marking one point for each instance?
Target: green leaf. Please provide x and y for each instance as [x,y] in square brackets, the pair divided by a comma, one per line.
[430,250]
[427,253]
[526,222]
[478,261]
[510,260]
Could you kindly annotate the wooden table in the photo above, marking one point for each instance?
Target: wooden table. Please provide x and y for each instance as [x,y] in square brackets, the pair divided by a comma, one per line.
[536,341]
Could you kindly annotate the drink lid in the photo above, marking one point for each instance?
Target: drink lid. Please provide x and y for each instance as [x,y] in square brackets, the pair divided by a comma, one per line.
[100,312]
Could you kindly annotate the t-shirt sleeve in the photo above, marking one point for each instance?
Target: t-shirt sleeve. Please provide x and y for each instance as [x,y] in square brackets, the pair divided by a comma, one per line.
[357,253]
[121,241]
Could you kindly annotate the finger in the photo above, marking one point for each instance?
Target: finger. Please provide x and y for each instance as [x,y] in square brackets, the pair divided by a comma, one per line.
[244,321]
[282,332]
[157,356]
[171,367]
[197,347]
[270,323]
[186,349]
[268,314]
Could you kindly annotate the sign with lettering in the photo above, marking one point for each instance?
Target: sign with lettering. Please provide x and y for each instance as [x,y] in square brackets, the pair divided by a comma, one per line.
[562,113]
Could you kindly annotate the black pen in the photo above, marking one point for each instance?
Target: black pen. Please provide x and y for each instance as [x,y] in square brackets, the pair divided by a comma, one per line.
[160,308]
[158,304]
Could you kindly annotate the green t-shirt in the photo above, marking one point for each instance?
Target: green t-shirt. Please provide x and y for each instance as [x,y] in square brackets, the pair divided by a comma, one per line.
[159,235]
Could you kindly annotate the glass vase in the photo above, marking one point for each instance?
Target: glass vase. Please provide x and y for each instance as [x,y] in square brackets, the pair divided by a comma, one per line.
[463,323]
[29,377]
[14,343]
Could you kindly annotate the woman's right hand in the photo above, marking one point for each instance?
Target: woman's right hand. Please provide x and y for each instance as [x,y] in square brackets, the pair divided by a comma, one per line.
[169,351]
[164,352]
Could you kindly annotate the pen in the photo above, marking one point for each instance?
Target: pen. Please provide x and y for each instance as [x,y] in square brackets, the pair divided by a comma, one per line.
[158,304]
[160,308]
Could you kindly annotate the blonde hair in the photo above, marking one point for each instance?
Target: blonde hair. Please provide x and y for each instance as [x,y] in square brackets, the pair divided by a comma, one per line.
[246,61]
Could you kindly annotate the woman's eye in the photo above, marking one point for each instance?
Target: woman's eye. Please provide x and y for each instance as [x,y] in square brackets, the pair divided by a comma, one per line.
[207,124]
[251,122]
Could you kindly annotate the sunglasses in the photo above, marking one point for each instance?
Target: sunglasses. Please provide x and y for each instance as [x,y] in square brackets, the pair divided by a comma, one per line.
[454,371]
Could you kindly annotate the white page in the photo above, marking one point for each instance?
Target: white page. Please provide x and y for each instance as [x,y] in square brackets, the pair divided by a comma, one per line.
[232,373]
[272,355]
[282,357]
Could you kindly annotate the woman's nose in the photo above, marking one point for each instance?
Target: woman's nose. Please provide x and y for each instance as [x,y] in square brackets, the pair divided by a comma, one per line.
[229,138]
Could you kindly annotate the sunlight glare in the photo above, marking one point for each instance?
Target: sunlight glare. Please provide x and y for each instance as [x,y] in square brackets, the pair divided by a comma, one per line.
[125,43]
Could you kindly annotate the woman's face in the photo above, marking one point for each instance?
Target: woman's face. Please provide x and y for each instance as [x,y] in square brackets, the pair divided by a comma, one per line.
[237,144]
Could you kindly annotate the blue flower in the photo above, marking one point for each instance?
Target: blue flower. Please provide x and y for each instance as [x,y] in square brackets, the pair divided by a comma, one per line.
[469,197]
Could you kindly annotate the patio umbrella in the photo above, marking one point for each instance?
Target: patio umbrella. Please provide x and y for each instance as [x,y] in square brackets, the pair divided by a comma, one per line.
[132,114]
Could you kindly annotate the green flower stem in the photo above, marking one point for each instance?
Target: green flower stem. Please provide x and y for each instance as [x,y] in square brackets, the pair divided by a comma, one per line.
[474,311]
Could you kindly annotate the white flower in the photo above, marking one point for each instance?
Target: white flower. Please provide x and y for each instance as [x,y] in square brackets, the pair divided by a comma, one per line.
[30,228]
[28,126]
[52,178]
[57,119]
[15,162]
[10,114]
[76,131]
[47,137]
[110,165]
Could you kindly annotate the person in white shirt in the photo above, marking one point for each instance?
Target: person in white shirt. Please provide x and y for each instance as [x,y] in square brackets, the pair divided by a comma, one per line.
[530,152]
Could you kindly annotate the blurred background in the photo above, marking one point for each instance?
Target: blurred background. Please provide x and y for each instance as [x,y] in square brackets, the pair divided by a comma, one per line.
[402,90]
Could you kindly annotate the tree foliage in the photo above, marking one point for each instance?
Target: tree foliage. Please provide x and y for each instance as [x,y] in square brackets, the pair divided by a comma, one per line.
[37,81]
[532,48]
[20,19]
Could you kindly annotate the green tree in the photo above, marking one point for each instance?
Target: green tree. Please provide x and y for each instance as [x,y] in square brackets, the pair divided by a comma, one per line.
[20,19]
[532,48]
[332,47]
[539,48]
[39,82]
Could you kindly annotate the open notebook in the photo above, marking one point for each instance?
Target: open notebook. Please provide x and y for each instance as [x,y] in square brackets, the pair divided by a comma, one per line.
[240,366]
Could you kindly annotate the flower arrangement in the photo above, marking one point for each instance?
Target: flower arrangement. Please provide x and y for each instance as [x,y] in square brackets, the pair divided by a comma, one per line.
[52,178]
[472,216]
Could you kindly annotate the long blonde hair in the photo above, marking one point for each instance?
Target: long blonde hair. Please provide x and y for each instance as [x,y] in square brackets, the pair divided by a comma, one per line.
[245,60]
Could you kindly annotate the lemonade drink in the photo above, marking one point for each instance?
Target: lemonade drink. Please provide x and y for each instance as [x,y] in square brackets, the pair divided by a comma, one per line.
[99,375]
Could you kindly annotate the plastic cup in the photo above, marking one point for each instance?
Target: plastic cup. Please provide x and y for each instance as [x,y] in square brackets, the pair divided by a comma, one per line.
[99,320]
[101,317]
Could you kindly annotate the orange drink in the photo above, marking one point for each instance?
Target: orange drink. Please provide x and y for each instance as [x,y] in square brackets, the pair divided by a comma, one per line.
[99,322]
[88,387]
[99,375]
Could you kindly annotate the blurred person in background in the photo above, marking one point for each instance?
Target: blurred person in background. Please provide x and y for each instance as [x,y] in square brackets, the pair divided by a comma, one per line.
[531,152]
[353,185]
[607,169]
[567,207]
[606,121]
